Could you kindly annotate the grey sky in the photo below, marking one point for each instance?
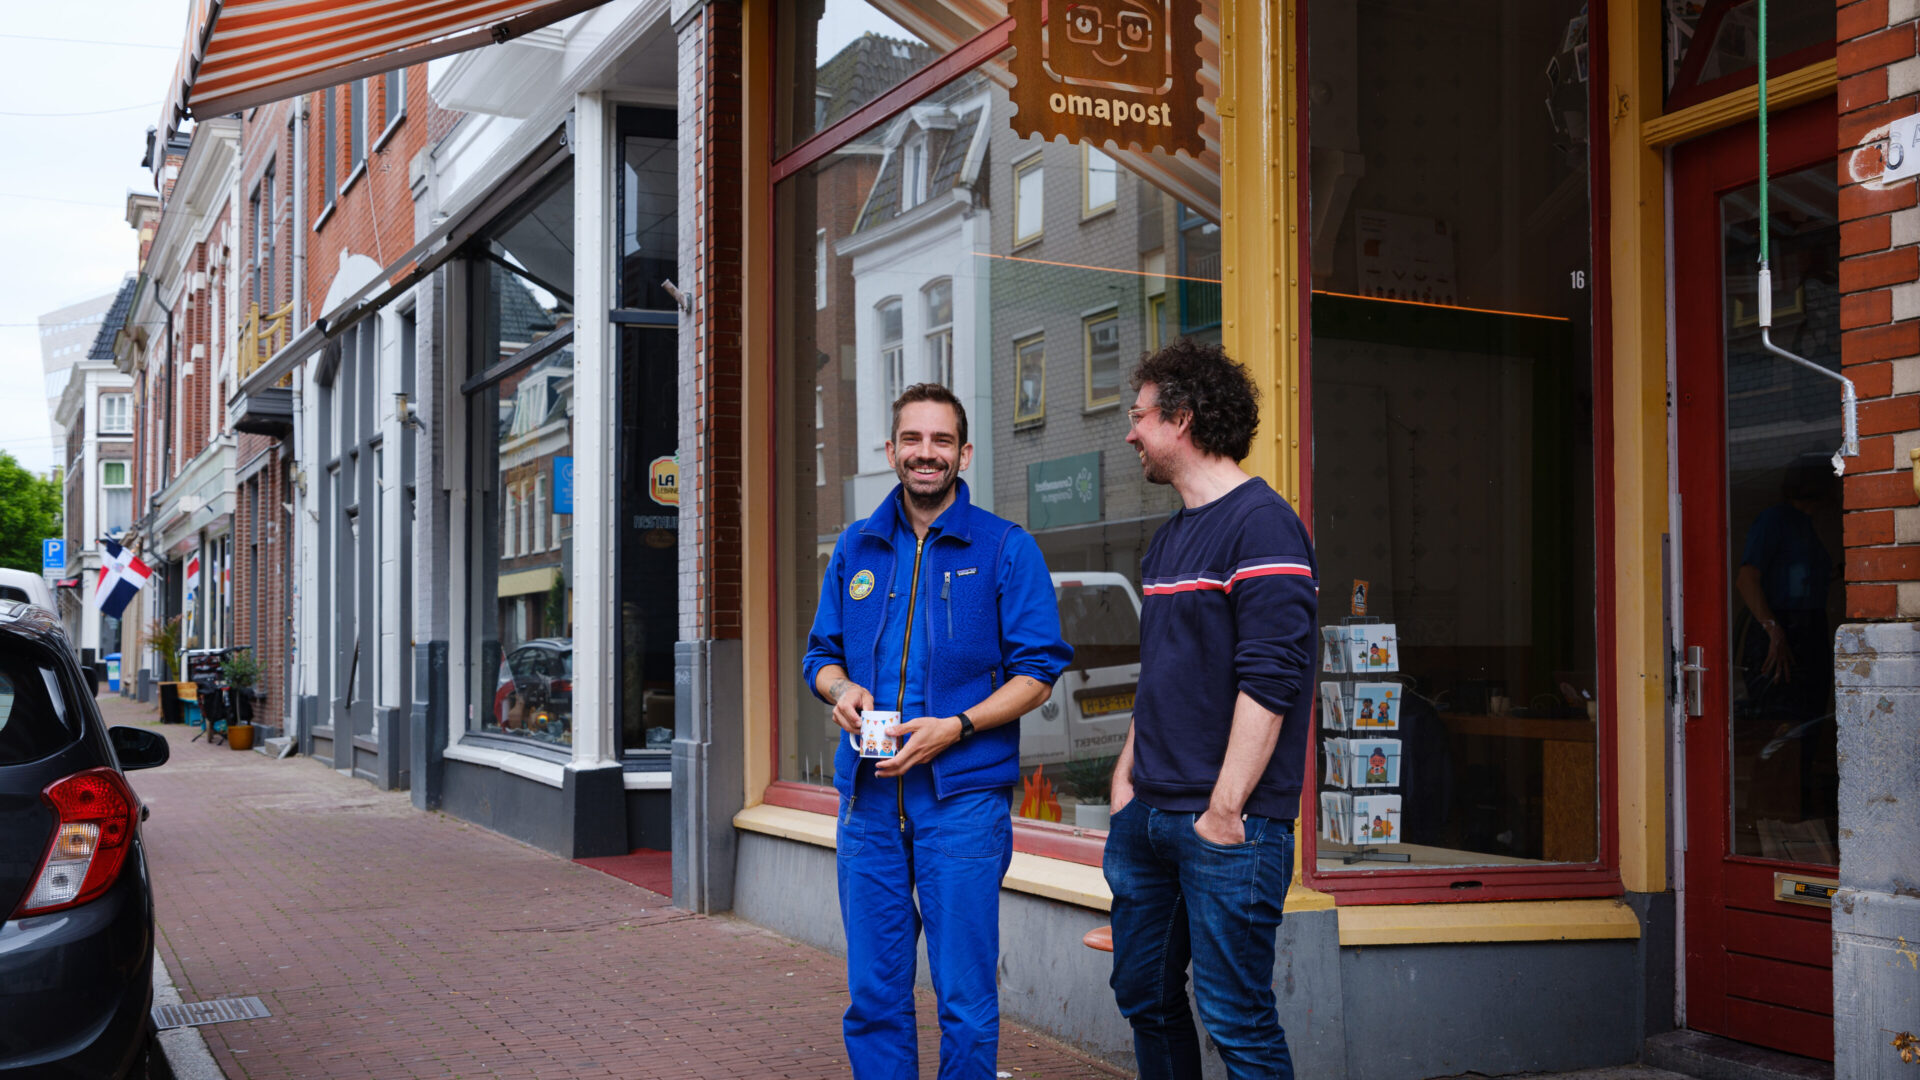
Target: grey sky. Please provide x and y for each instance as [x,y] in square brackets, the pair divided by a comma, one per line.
[62,199]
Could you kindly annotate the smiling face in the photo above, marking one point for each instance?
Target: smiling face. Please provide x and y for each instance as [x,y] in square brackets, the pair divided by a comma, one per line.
[927,454]
[1117,44]
[1157,438]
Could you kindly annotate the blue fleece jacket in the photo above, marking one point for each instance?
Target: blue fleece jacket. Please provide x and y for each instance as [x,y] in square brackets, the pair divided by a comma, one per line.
[983,612]
[1231,603]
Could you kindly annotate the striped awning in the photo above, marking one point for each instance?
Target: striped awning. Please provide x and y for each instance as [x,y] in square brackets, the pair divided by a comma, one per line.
[242,53]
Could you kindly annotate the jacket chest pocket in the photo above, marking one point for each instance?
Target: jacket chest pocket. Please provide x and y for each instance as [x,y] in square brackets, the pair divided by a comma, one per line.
[964,592]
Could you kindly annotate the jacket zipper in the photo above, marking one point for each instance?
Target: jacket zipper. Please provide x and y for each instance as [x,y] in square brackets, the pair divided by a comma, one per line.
[913,597]
[946,595]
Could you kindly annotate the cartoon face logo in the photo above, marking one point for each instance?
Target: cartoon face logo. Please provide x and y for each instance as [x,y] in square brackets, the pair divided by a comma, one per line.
[1112,44]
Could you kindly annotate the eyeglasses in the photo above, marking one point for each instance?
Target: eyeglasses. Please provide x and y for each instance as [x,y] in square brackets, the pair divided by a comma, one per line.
[1134,416]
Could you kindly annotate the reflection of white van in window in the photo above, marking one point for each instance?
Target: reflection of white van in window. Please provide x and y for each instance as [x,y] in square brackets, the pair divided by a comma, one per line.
[1091,706]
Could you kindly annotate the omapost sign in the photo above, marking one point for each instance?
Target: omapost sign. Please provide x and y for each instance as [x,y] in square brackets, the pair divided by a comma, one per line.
[1100,71]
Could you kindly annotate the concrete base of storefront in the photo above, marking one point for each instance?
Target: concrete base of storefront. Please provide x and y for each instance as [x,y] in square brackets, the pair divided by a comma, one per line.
[586,816]
[649,820]
[1710,1057]
[428,723]
[1399,1012]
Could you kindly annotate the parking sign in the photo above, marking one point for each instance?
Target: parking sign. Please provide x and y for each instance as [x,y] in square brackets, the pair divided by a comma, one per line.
[53,555]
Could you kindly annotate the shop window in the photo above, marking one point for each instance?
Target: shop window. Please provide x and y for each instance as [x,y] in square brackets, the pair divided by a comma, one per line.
[648,449]
[1029,182]
[520,430]
[1453,461]
[985,313]
[1100,335]
[834,57]
[1711,47]
[820,270]
[1099,182]
[939,297]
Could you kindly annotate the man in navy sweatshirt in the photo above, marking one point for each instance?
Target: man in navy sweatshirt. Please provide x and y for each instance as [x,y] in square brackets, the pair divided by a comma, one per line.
[1206,789]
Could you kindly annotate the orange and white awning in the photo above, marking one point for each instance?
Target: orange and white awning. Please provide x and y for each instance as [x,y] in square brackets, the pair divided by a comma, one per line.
[242,53]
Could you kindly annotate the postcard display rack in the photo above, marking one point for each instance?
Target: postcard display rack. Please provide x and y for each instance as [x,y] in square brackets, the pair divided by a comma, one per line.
[1359,739]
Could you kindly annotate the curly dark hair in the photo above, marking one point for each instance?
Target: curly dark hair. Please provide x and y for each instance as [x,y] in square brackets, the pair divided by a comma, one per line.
[1203,381]
[929,391]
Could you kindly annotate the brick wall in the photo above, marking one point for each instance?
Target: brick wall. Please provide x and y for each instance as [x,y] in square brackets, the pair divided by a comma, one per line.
[261,547]
[373,210]
[1880,307]
[710,356]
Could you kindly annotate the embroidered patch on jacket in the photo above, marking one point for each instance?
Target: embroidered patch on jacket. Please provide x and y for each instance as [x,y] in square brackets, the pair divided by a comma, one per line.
[861,586]
[968,570]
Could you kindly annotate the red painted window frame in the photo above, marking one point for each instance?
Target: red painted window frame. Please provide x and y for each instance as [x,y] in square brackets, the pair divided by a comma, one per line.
[1601,878]
[1487,883]
[1688,90]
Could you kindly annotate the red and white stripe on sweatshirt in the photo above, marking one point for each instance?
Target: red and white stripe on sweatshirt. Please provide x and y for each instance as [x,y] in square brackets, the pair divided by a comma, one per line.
[1253,568]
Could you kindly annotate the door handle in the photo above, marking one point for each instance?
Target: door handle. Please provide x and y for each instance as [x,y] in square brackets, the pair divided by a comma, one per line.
[1692,686]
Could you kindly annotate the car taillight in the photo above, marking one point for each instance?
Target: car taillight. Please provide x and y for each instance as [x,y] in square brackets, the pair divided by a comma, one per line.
[563,686]
[98,814]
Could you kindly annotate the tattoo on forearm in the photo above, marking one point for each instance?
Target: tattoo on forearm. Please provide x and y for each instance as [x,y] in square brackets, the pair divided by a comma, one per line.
[838,688]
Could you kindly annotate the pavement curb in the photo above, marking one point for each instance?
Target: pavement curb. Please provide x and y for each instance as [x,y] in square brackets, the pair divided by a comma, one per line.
[185,1048]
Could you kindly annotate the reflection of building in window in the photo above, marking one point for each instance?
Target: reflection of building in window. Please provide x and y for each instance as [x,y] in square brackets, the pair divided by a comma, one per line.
[1102,334]
[1028,179]
[913,177]
[1030,380]
[1099,182]
[1157,336]
[820,269]
[893,362]
[888,255]
[1199,272]
[940,332]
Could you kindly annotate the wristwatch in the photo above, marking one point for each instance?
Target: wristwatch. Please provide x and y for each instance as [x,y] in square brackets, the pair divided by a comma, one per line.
[966,725]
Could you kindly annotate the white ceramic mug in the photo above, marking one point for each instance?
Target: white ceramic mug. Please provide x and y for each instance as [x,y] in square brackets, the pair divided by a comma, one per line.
[874,742]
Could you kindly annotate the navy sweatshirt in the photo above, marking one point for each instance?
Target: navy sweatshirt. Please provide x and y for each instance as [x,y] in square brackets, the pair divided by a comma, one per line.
[1231,604]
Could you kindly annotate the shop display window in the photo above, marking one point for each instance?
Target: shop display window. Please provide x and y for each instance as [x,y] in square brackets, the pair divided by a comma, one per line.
[1713,46]
[1452,421]
[997,293]
[521,434]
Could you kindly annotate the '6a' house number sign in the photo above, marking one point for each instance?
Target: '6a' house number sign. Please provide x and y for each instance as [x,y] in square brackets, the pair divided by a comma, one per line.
[1125,72]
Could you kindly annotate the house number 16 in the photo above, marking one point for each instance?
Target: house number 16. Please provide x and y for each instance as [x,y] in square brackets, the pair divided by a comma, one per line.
[1577,279]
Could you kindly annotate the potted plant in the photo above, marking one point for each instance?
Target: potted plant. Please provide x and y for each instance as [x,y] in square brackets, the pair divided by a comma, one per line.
[241,672]
[163,636]
[1090,782]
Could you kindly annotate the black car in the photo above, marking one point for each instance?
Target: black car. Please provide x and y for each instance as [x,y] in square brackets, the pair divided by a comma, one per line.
[76,940]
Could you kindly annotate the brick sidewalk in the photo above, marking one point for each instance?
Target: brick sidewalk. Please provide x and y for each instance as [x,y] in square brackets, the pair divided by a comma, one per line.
[388,942]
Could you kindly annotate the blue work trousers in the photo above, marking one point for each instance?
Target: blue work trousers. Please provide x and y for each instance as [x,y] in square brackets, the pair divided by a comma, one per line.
[907,859]
[1177,899]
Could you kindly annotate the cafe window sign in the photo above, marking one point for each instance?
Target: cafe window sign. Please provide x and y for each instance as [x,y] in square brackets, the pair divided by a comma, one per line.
[1100,71]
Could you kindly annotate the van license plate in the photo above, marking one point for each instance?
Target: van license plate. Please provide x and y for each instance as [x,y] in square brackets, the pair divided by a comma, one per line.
[1106,704]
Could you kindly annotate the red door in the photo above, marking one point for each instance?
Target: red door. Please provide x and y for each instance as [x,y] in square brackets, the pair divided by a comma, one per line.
[1761,550]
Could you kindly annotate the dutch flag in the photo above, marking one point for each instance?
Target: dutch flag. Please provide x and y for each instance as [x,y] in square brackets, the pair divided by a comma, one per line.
[120,578]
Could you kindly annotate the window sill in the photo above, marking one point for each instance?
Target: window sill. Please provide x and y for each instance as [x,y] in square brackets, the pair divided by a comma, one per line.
[359,170]
[1512,920]
[1028,241]
[387,132]
[1103,407]
[549,773]
[1069,883]
[324,215]
[1097,212]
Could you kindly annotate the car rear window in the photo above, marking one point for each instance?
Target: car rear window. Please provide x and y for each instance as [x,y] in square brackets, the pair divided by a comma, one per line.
[33,723]
[14,592]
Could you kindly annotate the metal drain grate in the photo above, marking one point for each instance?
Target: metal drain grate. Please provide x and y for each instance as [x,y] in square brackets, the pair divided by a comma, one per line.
[208,1012]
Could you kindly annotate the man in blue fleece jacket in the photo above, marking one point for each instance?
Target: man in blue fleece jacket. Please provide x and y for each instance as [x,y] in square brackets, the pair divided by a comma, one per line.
[944,612]
[1200,850]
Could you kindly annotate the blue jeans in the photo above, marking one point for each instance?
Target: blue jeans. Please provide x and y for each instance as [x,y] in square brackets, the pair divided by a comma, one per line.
[1177,899]
[941,869]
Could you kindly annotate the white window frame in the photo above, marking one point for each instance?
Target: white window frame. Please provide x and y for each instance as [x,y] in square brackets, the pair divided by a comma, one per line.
[913,171]
[116,407]
[540,513]
[939,335]
[819,269]
[893,350]
[1032,163]
[1087,324]
[1089,208]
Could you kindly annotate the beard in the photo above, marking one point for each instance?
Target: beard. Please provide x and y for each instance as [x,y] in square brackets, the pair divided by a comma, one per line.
[927,499]
[1156,472]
